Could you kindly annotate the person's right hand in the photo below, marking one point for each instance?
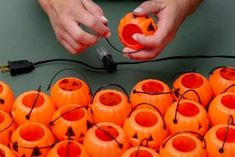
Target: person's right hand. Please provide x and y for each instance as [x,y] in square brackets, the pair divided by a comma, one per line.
[65,17]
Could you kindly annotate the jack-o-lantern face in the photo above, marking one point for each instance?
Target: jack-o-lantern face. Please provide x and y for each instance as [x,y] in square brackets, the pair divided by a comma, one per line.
[140,152]
[70,90]
[29,105]
[182,144]
[222,80]
[105,139]
[186,115]
[145,123]
[70,122]
[221,107]
[220,141]
[198,88]
[5,151]
[31,139]
[6,97]
[68,149]
[131,24]
[7,125]
[153,92]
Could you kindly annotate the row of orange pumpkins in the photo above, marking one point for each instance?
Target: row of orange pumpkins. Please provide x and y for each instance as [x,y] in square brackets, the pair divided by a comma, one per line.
[146,119]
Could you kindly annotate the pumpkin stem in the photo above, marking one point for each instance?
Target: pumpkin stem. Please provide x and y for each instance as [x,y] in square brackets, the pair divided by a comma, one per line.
[181,97]
[107,85]
[199,136]
[230,122]
[66,69]
[148,104]
[229,87]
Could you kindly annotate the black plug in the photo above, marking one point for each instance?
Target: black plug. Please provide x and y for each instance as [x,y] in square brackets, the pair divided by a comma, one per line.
[107,59]
[17,67]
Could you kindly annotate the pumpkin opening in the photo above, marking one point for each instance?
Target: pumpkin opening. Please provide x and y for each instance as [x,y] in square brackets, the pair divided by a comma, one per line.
[2,153]
[106,133]
[70,148]
[1,88]
[192,81]
[228,101]
[220,134]
[146,119]
[32,132]
[141,153]
[72,114]
[2,117]
[110,99]
[188,109]
[28,100]
[70,84]
[184,144]
[228,73]
[128,31]
[152,87]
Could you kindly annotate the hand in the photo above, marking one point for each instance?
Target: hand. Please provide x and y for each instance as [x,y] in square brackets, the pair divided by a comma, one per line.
[66,17]
[170,14]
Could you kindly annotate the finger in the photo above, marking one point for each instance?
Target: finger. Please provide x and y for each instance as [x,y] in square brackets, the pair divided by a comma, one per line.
[148,7]
[79,35]
[93,23]
[68,47]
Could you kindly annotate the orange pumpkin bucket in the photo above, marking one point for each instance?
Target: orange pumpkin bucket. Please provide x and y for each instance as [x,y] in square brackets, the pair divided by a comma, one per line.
[145,123]
[7,125]
[70,90]
[222,79]
[6,97]
[198,86]
[140,152]
[183,144]
[110,105]
[186,115]
[105,139]
[29,105]
[31,139]
[68,149]
[221,107]
[131,24]
[220,140]
[70,122]
[153,92]
[5,151]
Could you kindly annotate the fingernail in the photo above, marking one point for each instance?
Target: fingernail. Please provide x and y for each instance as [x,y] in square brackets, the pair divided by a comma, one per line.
[108,35]
[104,19]
[138,10]
[134,36]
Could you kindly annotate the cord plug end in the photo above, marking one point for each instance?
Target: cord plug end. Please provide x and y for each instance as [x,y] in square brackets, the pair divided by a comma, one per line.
[17,67]
[107,59]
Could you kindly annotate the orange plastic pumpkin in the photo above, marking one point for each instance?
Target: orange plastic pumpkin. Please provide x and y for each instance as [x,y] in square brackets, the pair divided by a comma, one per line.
[131,24]
[183,145]
[7,125]
[198,85]
[70,122]
[5,151]
[70,90]
[110,106]
[221,107]
[6,97]
[220,141]
[153,92]
[145,123]
[222,79]
[140,152]
[31,139]
[105,139]
[186,115]
[68,149]
[30,105]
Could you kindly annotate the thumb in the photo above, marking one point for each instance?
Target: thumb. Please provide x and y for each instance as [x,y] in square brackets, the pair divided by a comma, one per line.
[148,7]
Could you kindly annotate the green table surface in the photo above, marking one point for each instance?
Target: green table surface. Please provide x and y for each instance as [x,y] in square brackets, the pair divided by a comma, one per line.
[25,33]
